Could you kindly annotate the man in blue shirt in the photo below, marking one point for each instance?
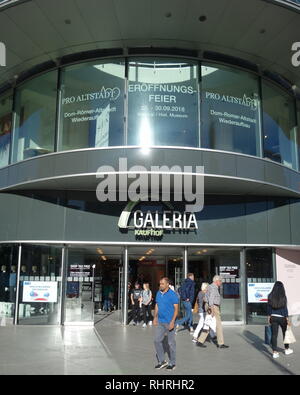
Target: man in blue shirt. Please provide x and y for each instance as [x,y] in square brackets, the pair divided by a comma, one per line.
[166,310]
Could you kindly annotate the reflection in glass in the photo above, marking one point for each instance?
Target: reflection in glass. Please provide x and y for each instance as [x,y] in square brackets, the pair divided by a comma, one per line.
[5,129]
[205,263]
[92,111]
[163,103]
[279,125]
[8,282]
[259,269]
[36,112]
[40,285]
[230,110]
[93,286]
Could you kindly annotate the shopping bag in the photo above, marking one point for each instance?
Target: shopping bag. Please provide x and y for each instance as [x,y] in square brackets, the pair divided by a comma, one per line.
[268,335]
[289,336]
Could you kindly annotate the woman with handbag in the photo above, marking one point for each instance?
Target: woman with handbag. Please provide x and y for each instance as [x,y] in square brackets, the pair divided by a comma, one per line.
[278,316]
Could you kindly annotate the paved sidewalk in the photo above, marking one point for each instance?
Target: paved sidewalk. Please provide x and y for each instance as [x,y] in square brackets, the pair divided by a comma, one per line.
[129,350]
[39,350]
[134,351]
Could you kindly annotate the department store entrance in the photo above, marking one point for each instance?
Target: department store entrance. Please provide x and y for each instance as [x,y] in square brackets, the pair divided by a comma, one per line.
[98,288]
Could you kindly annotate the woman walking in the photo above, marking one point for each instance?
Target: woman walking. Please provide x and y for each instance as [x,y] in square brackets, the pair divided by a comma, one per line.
[278,316]
[201,310]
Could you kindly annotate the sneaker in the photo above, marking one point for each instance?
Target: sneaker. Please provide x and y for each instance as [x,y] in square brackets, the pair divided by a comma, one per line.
[223,346]
[194,340]
[177,328]
[150,323]
[201,345]
[275,355]
[161,365]
[171,367]
[134,324]
[288,351]
[144,325]
[191,330]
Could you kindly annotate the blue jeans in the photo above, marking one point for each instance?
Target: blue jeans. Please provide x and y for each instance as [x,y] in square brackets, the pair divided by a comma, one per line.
[106,305]
[188,315]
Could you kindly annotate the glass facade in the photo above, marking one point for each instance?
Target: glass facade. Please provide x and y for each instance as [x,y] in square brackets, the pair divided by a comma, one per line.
[279,126]
[259,270]
[163,103]
[40,285]
[5,129]
[230,110]
[8,282]
[35,117]
[92,106]
[150,101]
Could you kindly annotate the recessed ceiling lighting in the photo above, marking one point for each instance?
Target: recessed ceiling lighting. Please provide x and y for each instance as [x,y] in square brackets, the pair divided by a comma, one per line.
[202,18]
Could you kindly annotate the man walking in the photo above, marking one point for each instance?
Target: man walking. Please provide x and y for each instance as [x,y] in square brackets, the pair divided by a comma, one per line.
[213,301]
[187,294]
[166,310]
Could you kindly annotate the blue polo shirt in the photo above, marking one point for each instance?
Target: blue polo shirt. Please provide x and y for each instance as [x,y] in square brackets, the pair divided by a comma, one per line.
[165,303]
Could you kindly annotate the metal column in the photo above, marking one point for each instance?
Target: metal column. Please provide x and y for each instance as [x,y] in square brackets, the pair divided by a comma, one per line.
[125,288]
[243,284]
[63,285]
[18,285]
[185,262]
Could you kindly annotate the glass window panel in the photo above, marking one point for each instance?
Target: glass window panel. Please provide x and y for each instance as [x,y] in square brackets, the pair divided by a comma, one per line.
[205,263]
[8,282]
[259,269]
[92,113]
[36,114]
[5,129]
[163,103]
[279,120]
[230,110]
[40,285]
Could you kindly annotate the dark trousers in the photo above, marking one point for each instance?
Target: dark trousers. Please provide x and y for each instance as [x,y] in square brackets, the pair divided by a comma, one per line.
[136,311]
[147,313]
[277,322]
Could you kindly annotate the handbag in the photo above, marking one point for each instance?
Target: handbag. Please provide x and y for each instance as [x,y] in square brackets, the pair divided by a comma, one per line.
[289,336]
[268,335]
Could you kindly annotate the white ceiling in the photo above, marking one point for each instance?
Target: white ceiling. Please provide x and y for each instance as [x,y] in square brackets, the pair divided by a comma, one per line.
[35,31]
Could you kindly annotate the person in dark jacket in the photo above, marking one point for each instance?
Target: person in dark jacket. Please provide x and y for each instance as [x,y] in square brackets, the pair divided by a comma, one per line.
[187,295]
[278,316]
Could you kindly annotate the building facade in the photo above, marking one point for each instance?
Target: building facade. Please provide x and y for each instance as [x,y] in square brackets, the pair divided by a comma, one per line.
[137,93]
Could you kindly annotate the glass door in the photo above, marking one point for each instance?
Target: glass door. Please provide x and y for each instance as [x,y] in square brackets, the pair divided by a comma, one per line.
[79,297]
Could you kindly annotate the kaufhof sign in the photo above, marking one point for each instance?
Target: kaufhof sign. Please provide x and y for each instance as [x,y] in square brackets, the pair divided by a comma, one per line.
[154,224]
[147,223]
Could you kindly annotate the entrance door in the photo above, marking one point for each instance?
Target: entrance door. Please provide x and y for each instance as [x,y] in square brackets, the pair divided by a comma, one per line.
[205,263]
[79,297]
[92,288]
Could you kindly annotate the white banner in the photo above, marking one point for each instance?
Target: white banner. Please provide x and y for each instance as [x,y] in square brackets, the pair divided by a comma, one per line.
[40,291]
[258,292]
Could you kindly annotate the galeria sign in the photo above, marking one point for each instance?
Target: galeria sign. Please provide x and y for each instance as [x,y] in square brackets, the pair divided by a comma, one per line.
[170,220]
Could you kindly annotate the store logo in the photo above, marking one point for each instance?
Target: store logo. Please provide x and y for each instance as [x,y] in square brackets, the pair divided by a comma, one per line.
[245,101]
[160,183]
[2,55]
[149,223]
[105,93]
[296,55]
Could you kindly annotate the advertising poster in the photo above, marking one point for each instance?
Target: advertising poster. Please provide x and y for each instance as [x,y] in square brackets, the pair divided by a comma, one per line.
[40,291]
[258,292]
